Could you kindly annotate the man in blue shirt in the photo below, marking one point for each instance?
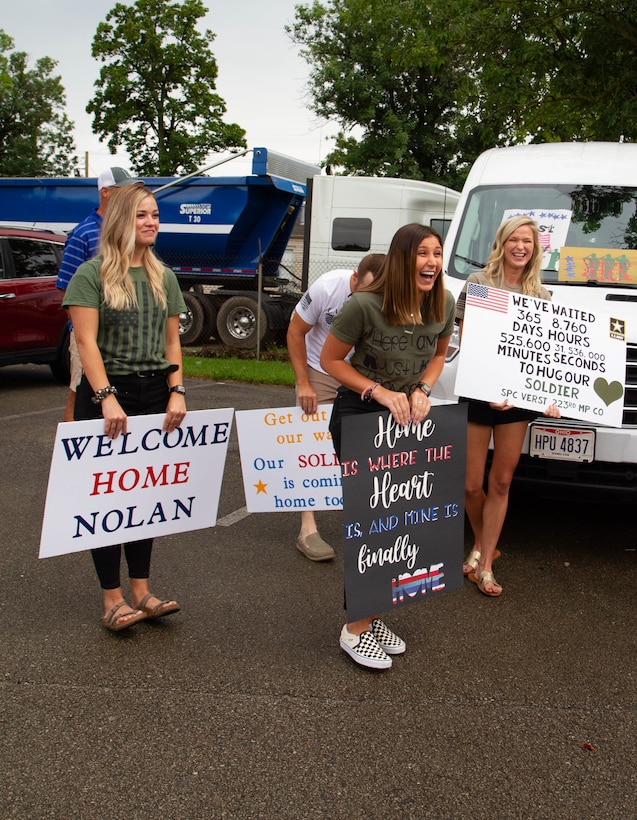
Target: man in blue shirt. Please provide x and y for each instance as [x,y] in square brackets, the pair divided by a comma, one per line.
[81,245]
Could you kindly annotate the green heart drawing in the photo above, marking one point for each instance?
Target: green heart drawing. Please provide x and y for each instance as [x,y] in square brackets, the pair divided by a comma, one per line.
[608,393]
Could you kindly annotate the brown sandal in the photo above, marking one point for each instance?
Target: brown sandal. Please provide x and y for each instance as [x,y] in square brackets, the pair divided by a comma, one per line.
[159,610]
[113,618]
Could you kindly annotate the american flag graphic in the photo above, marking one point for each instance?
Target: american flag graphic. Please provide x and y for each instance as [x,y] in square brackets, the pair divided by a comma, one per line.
[488,298]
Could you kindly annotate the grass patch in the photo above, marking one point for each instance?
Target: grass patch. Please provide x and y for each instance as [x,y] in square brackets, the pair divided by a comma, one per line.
[231,368]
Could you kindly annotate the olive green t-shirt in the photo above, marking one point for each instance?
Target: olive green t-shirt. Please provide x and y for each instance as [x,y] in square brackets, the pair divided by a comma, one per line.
[134,339]
[393,355]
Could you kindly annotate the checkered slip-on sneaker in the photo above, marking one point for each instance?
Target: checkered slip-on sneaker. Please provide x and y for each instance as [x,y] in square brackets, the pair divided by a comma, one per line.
[364,649]
[388,641]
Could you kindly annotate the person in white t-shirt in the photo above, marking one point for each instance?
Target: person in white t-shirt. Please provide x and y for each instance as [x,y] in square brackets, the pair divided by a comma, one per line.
[309,326]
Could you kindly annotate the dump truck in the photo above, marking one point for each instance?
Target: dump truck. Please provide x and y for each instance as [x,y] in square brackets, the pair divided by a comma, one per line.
[225,237]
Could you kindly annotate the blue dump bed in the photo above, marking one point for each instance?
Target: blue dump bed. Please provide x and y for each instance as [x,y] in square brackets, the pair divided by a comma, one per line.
[212,228]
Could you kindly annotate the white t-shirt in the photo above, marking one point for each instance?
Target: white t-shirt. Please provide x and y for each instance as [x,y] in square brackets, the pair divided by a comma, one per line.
[318,306]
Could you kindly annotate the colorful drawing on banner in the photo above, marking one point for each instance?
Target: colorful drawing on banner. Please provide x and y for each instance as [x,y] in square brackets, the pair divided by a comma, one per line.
[288,460]
[604,265]
[403,492]
[143,484]
[542,352]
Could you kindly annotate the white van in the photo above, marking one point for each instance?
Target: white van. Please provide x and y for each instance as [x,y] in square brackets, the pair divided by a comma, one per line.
[348,217]
[595,184]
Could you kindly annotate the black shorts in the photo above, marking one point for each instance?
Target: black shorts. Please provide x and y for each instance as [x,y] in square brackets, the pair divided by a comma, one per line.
[480,412]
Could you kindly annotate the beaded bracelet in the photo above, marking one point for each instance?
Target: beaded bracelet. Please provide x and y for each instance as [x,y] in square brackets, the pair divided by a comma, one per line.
[366,395]
[102,393]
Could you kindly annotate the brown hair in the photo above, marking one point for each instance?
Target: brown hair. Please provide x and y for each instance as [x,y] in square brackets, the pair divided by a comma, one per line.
[372,263]
[396,282]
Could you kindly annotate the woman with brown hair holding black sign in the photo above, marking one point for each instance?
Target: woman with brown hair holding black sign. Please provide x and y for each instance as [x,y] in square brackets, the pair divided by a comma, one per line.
[399,327]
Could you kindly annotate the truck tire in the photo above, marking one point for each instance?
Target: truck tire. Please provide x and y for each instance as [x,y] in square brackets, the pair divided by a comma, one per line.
[197,323]
[237,322]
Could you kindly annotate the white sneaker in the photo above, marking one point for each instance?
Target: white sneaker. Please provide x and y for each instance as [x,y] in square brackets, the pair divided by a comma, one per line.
[388,641]
[364,649]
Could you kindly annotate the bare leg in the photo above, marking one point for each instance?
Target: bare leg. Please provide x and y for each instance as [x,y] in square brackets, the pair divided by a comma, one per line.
[139,587]
[69,410]
[308,523]
[507,441]
[478,438]
[358,627]
[113,597]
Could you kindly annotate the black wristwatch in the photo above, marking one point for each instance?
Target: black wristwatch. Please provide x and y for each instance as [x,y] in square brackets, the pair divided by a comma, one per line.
[177,388]
[425,388]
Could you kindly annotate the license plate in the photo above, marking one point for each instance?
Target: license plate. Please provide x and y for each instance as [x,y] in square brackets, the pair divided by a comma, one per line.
[561,443]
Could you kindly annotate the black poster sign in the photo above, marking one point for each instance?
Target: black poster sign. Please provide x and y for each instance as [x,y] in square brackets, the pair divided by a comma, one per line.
[403,501]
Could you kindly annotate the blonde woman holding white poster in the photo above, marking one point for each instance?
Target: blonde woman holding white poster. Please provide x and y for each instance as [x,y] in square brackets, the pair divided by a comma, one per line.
[514,265]
[125,307]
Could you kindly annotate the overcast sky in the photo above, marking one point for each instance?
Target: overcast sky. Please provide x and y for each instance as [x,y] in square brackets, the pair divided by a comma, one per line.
[261,77]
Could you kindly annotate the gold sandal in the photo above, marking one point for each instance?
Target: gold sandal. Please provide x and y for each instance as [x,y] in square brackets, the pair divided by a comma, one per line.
[472,560]
[485,578]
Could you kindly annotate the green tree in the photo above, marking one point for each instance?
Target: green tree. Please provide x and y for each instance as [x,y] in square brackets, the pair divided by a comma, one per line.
[384,71]
[156,90]
[421,87]
[566,69]
[35,134]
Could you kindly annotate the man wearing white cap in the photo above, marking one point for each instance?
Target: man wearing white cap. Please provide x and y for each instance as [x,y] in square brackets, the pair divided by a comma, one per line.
[81,245]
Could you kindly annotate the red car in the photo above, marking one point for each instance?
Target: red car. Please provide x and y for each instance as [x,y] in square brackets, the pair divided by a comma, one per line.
[33,324]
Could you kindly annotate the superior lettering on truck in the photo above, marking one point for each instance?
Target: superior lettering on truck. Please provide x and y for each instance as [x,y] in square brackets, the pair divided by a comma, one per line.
[583,197]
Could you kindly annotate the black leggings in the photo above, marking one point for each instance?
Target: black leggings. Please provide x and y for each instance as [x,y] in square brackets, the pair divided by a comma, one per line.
[137,395]
[348,403]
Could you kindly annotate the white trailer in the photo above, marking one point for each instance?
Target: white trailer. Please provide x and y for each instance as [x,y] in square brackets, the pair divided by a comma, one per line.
[348,217]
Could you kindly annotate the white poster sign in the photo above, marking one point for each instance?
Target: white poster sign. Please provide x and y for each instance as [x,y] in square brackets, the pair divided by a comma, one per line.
[143,484]
[288,460]
[534,353]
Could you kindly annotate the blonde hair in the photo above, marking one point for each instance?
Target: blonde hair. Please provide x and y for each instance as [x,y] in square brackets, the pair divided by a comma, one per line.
[396,281]
[117,245]
[494,269]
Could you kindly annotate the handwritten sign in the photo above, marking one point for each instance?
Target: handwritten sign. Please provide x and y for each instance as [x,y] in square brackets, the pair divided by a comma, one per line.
[143,484]
[403,490]
[608,266]
[534,353]
[288,460]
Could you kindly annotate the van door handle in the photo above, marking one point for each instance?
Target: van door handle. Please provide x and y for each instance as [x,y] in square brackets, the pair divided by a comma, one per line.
[7,295]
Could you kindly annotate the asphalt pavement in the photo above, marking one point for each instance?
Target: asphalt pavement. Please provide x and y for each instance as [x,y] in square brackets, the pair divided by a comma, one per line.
[244,706]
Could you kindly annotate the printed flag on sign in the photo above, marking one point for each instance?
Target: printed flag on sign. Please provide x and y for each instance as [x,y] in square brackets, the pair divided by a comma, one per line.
[488,298]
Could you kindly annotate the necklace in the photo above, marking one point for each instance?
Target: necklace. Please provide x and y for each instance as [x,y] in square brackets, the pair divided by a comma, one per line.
[410,332]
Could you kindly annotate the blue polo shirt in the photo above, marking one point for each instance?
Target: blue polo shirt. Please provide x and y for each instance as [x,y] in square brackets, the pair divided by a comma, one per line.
[81,245]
